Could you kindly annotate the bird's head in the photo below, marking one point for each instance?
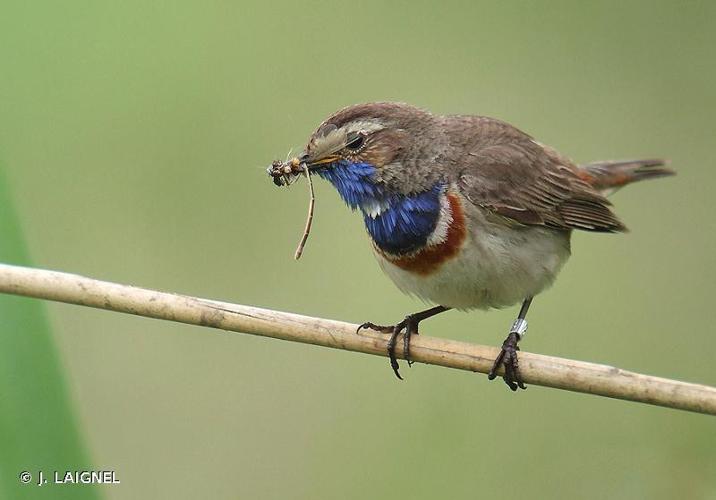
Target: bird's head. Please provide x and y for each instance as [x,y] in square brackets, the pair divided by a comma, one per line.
[380,157]
[372,151]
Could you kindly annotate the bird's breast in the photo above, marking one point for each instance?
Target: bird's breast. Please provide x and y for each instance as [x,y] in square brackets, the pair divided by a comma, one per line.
[443,243]
[401,225]
[471,261]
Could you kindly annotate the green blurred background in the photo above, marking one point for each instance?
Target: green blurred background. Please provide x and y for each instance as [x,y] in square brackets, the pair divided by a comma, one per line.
[135,135]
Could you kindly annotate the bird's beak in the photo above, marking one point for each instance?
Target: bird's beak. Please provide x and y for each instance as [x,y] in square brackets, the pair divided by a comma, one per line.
[319,163]
[283,172]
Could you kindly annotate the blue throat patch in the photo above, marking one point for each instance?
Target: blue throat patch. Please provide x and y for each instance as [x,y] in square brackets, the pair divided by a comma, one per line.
[405,222]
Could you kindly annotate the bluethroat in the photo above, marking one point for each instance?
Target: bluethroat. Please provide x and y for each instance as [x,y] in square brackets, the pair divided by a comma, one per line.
[465,212]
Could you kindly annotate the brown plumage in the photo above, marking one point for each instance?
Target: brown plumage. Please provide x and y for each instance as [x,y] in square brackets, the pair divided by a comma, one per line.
[496,166]
[463,211]
[514,176]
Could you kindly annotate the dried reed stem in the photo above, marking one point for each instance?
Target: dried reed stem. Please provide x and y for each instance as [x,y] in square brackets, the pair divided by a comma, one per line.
[536,369]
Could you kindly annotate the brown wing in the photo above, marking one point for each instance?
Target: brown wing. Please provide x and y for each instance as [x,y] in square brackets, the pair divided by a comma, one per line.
[520,179]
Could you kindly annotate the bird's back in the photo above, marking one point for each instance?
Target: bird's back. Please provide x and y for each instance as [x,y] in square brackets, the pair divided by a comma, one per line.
[507,172]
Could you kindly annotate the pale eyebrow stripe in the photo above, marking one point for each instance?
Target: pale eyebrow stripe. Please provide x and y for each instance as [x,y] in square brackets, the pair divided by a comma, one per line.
[335,139]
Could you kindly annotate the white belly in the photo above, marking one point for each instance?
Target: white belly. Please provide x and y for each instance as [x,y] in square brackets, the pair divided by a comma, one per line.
[498,266]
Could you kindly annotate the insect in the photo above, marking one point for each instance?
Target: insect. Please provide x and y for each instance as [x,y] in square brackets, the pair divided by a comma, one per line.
[285,174]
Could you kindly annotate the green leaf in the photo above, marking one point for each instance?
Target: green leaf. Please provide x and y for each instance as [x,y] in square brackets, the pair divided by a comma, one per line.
[38,430]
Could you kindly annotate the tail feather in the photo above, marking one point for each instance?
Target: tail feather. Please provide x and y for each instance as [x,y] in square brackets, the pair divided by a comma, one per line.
[607,175]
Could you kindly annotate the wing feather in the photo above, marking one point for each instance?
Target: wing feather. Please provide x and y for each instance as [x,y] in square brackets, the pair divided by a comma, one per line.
[518,178]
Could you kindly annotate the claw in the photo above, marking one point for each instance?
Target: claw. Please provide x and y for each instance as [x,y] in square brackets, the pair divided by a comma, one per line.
[391,351]
[378,328]
[508,359]
[409,326]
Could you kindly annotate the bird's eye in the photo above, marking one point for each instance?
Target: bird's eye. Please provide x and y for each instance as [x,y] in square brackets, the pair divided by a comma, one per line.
[355,141]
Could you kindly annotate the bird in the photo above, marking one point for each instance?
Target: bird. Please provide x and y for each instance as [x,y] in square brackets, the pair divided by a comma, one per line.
[463,211]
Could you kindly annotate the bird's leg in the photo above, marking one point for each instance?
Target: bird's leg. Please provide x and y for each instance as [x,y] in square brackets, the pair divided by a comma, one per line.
[410,325]
[508,354]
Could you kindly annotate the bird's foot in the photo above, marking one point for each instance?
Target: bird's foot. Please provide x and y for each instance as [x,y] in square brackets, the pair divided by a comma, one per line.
[508,357]
[409,325]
